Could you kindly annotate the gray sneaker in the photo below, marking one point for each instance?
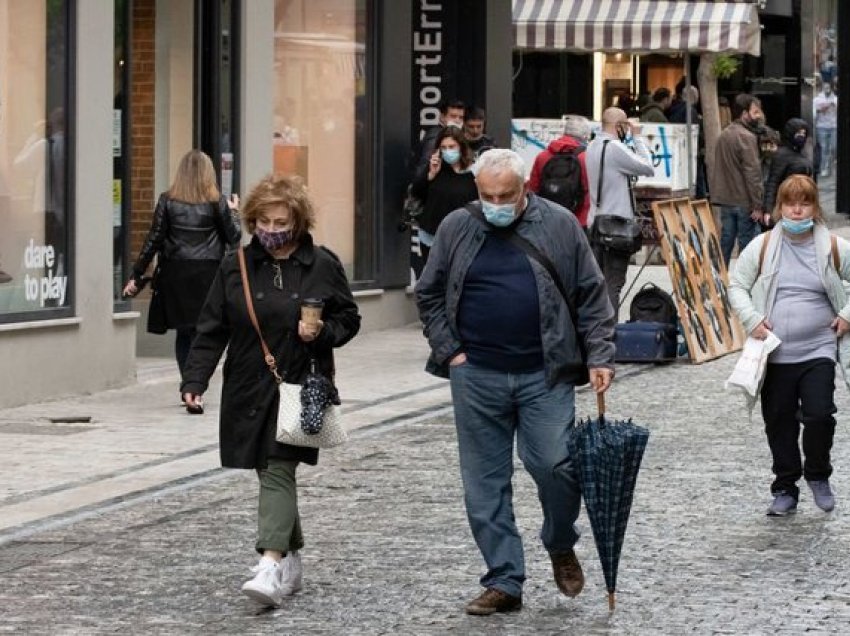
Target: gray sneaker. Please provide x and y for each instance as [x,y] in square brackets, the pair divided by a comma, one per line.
[783,504]
[824,499]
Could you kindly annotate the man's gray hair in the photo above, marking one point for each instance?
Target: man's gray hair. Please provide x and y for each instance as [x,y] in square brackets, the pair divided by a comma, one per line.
[577,126]
[499,159]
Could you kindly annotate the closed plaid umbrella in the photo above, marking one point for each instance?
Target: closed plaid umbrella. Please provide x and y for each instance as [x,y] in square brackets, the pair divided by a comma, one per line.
[607,456]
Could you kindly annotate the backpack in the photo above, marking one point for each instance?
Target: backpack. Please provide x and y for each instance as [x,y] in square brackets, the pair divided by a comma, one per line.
[560,180]
[653,304]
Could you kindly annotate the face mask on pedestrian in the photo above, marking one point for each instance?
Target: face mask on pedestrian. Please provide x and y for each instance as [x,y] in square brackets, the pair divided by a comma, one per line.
[450,155]
[798,141]
[797,227]
[499,215]
[273,241]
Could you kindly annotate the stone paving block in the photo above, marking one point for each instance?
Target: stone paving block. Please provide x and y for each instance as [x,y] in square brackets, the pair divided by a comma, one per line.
[389,551]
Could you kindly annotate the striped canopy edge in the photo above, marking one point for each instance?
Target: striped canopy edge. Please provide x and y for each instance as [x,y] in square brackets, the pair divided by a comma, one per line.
[639,26]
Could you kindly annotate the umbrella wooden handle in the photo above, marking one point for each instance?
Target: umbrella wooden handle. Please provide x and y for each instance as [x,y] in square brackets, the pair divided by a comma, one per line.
[600,403]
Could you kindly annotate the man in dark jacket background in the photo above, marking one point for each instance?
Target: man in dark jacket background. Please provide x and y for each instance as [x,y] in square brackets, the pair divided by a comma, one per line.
[510,343]
[790,158]
[452,113]
[737,185]
[653,112]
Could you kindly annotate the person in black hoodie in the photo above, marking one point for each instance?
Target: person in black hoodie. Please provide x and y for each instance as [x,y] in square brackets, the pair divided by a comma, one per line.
[790,158]
[446,186]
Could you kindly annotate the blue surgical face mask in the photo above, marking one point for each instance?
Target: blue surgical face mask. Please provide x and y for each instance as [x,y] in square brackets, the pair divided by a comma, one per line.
[499,215]
[797,227]
[451,155]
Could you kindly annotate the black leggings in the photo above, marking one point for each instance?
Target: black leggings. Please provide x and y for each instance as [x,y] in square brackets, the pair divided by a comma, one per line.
[182,344]
[795,394]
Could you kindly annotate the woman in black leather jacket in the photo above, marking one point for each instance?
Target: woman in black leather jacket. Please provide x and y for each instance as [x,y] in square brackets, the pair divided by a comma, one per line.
[790,158]
[192,226]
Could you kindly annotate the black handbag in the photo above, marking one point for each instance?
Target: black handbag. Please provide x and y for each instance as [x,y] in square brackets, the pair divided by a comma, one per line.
[611,231]
[617,233]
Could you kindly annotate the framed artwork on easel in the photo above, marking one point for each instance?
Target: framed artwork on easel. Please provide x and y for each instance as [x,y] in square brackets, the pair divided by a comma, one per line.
[691,249]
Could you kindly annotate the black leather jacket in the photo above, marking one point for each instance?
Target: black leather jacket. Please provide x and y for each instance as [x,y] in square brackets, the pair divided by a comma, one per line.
[188,231]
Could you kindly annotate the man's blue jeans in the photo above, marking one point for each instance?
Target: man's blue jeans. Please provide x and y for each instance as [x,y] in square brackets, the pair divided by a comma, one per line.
[736,223]
[490,408]
[827,139]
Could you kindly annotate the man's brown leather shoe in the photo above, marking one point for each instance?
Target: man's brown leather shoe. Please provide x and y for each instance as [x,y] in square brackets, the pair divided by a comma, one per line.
[568,574]
[492,601]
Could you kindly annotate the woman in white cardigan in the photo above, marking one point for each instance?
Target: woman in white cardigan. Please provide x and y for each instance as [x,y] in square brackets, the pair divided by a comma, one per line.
[789,281]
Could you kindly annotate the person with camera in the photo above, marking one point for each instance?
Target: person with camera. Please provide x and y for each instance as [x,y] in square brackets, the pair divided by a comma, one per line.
[612,165]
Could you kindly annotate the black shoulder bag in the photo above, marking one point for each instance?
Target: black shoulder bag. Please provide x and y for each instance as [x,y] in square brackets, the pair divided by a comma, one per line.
[611,231]
[510,235]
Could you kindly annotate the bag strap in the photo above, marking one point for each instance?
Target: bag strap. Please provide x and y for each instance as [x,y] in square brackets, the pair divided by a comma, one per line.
[601,173]
[532,251]
[249,303]
[833,249]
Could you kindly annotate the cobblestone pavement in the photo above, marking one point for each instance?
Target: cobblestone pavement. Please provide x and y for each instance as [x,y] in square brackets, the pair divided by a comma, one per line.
[389,551]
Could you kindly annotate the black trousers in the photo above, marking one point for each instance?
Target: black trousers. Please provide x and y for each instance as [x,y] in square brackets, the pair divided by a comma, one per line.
[182,345]
[795,394]
[614,266]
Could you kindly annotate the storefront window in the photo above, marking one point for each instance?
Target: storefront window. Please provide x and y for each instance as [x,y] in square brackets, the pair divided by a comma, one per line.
[320,119]
[35,215]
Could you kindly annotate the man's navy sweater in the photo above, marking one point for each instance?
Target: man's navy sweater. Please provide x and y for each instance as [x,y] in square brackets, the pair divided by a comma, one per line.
[499,312]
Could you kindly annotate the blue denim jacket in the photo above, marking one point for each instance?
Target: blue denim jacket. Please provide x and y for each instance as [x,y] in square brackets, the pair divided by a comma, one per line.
[556,233]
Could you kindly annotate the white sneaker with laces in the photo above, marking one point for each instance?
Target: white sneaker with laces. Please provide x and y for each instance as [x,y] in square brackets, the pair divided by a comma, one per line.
[292,571]
[265,586]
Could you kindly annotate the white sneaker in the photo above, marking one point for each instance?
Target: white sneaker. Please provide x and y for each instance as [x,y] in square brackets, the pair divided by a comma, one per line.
[265,586]
[290,580]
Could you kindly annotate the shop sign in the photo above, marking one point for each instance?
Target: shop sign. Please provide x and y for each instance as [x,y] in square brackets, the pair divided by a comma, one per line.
[433,58]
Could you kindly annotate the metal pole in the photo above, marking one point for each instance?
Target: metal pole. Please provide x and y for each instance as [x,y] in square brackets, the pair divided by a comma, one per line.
[842,170]
[688,122]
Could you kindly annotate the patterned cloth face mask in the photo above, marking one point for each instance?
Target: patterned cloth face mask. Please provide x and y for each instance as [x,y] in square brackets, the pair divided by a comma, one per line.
[273,241]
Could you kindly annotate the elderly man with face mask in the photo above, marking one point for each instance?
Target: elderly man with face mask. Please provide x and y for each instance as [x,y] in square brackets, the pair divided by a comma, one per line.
[515,336]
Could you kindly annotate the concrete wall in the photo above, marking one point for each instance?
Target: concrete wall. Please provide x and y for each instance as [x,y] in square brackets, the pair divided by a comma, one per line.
[95,349]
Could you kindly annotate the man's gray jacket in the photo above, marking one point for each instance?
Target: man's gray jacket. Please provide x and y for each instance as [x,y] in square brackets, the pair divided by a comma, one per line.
[555,232]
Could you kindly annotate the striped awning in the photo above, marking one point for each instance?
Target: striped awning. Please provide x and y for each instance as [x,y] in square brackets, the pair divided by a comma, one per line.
[639,26]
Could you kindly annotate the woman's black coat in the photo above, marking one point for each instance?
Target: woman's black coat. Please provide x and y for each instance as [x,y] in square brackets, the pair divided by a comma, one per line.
[249,396]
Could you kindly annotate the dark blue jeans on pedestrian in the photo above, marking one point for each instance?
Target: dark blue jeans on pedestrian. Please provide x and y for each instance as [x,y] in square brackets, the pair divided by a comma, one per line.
[736,224]
[491,408]
[795,394]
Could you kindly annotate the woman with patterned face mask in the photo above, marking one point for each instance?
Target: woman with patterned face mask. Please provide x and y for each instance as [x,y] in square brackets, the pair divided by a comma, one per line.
[283,267]
[790,158]
[789,281]
[446,186]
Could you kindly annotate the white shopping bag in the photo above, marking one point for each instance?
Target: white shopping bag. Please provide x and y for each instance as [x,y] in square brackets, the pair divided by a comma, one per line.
[749,371]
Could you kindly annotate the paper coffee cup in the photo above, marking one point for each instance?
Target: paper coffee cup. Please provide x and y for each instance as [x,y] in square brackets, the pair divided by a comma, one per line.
[311,311]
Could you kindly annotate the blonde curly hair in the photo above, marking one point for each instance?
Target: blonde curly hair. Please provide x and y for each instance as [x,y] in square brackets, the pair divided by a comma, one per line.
[280,190]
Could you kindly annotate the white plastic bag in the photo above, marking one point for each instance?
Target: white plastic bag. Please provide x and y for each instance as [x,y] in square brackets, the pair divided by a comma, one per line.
[749,370]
